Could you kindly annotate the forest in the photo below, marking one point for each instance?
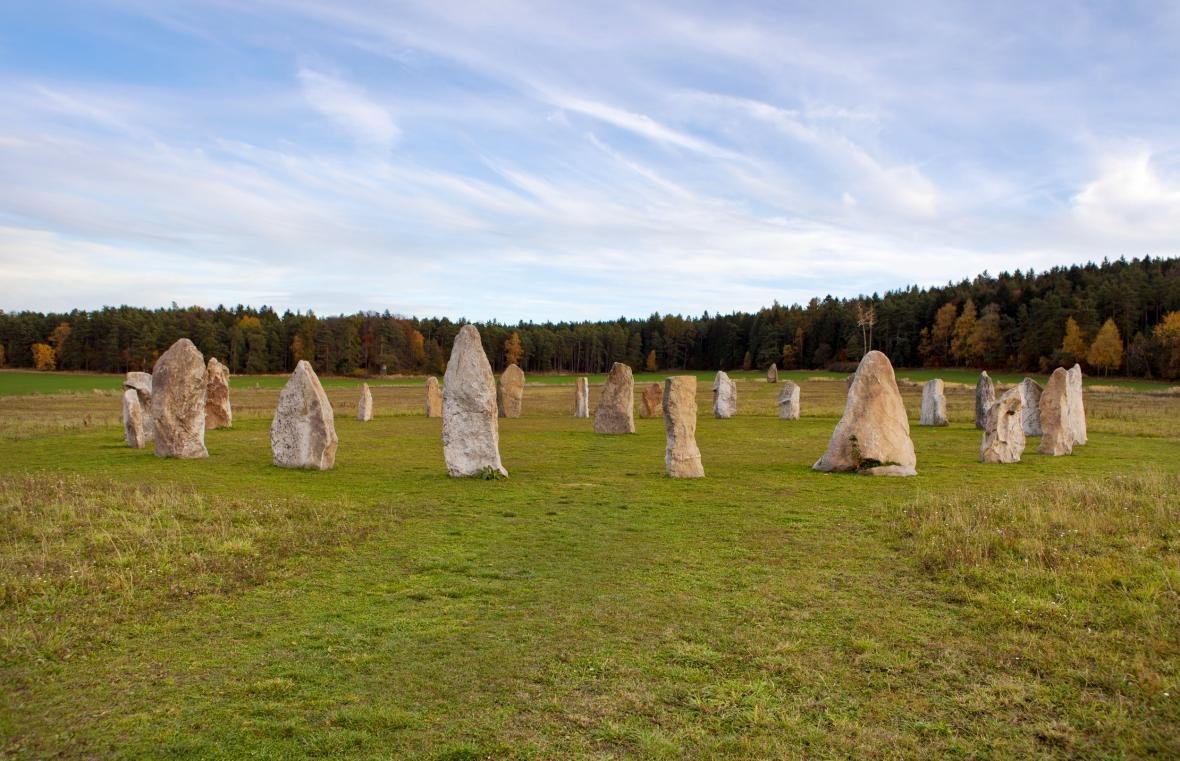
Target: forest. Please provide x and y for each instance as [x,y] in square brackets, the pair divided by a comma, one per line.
[1117,317]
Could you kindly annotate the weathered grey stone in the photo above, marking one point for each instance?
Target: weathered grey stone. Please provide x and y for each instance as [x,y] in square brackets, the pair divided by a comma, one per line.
[470,430]
[218,412]
[1030,400]
[179,386]
[651,401]
[1057,435]
[615,412]
[985,397]
[933,403]
[682,457]
[772,373]
[788,401]
[303,431]
[1077,409]
[364,405]
[1003,432]
[582,398]
[141,384]
[724,396]
[511,392]
[133,417]
[434,398]
[873,436]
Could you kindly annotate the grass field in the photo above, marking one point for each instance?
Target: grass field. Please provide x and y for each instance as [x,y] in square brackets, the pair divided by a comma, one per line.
[587,607]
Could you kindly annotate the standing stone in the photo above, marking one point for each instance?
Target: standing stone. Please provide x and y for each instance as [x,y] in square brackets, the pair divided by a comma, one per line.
[470,431]
[511,393]
[133,416]
[303,432]
[1077,410]
[434,398]
[582,398]
[772,373]
[218,413]
[1057,435]
[1003,433]
[1030,400]
[178,402]
[788,401]
[682,458]
[364,406]
[933,403]
[873,436]
[141,384]
[651,402]
[615,412]
[724,396]
[985,397]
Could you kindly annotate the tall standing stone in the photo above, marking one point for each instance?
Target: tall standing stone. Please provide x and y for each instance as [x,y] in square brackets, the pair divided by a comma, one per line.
[364,405]
[1077,409]
[615,412]
[724,396]
[682,457]
[1003,432]
[873,436]
[1057,435]
[1030,399]
[788,401]
[582,398]
[218,412]
[133,415]
[651,401]
[470,430]
[434,398]
[772,373]
[303,431]
[511,393]
[141,384]
[933,403]
[179,385]
[985,397]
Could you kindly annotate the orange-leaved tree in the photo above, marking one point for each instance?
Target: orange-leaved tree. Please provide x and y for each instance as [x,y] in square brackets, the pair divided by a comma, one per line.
[513,349]
[44,357]
[1106,352]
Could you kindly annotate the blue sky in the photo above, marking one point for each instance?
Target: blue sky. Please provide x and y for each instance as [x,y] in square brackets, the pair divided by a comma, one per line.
[552,160]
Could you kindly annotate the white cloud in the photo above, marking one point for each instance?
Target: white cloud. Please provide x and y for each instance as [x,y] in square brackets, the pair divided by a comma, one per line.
[1129,199]
[349,107]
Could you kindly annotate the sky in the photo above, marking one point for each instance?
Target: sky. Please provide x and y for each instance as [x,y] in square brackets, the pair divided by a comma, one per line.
[573,160]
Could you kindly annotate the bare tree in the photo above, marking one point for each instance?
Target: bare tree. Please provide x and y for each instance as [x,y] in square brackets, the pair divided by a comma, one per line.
[866,318]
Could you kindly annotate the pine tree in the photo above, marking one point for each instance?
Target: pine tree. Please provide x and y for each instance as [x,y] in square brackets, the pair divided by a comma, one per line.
[961,345]
[650,365]
[1107,350]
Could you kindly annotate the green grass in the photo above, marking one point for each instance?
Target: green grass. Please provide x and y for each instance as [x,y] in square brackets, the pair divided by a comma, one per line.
[588,607]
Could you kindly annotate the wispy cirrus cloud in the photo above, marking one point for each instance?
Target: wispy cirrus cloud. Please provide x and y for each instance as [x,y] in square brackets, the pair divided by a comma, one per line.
[349,107]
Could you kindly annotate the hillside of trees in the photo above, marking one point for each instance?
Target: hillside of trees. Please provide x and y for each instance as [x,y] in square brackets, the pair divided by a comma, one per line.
[1118,317]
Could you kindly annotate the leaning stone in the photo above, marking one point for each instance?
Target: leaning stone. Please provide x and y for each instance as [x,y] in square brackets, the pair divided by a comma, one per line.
[133,417]
[364,405]
[1003,432]
[434,398]
[511,391]
[933,403]
[724,396]
[470,430]
[141,384]
[1077,409]
[651,401]
[873,436]
[682,457]
[1030,400]
[1057,435]
[788,401]
[772,373]
[582,398]
[303,431]
[179,385]
[615,412]
[218,413]
[985,397]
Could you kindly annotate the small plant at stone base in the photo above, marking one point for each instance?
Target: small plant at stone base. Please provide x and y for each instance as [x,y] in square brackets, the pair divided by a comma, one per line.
[491,474]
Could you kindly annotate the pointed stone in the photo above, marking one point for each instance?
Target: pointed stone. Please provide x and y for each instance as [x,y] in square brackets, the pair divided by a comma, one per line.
[364,405]
[218,413]
[470,430]
[933,403]
[303,431]
[434,398]
[1003,432]
[772,373]
[985,397]
[133,417]
[511,393]
[1030,400]
[724,396]
[582,398]
[682,457]
[1057,435]
[615,412]
[1077,408]
[141,384]
[788,401]
[873,436]
[651,402]
[179,385]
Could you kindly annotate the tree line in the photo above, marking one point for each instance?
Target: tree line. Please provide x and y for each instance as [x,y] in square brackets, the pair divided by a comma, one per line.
[1115,317]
